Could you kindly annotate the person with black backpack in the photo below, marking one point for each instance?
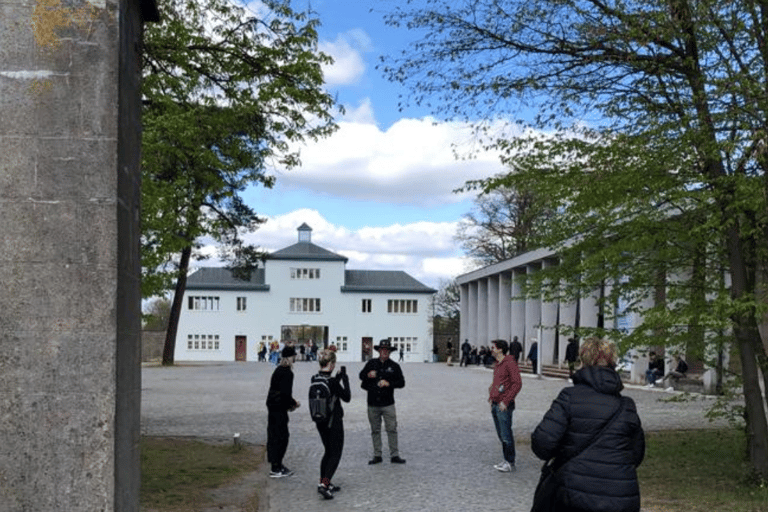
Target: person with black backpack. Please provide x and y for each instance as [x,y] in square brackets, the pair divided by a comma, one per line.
[325,394]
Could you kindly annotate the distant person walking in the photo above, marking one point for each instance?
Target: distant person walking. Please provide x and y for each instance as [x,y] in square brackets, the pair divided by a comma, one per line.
[572,355]
[515,349]
[466,348]
[594,436]
[330,425]
[279,402]
[380,377]
[501,395]
[533,355]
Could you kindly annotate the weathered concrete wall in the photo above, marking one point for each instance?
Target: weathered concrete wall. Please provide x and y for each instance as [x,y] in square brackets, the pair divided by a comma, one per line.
[152,343]
[68,342]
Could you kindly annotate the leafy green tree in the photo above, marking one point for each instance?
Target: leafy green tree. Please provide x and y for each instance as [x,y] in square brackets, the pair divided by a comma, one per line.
[227,93]
[653,121]
[157,313]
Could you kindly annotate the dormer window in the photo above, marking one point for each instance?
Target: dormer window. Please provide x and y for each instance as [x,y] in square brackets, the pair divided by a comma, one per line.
[305,233]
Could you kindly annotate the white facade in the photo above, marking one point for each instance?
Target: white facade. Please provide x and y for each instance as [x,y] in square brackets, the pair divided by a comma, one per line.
[491,308]
[303,292]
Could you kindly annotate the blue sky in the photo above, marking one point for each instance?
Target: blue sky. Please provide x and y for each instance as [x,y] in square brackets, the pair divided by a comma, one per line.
[380,190]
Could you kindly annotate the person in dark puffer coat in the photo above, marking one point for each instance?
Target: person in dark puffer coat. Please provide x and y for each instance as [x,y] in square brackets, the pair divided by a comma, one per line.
[602,478]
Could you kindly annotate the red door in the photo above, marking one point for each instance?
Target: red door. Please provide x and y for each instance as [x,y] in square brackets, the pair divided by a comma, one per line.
[240,348]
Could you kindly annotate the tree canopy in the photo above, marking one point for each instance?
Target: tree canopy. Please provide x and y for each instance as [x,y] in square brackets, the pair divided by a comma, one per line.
[504,222]
[650,139]
[227,93]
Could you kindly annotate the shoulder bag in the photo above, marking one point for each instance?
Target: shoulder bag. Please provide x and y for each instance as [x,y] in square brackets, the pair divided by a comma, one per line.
[544,496]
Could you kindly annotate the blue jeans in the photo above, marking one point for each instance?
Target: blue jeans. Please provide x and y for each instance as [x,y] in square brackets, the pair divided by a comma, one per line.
[503,422]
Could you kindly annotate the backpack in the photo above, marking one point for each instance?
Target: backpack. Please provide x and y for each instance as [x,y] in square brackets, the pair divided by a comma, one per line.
[321,401]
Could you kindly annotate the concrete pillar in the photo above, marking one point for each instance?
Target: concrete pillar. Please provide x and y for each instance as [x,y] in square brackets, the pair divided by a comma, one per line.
[505,306]
[493,307]
[69,258]
[482,312]
[532,315]
[590,310]
[549,326]
[464,313]
[473,318]
[517,306]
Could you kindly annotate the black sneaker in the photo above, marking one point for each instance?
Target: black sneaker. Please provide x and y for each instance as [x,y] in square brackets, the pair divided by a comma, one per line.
[325,492]
[375,460]
[397,460]
[333,488]
[280,473]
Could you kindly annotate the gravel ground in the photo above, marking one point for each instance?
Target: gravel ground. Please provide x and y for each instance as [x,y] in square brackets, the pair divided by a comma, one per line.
[445,432]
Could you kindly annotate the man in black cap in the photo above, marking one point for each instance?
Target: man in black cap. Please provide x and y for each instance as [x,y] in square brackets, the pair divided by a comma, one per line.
[380,377]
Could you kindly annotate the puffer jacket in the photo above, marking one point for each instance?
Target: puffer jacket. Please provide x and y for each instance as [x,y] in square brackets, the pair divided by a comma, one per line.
[603,477]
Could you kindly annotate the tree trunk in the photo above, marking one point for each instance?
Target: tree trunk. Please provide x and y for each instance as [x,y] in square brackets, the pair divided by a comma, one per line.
[757,425]
[178,296]
[747,337]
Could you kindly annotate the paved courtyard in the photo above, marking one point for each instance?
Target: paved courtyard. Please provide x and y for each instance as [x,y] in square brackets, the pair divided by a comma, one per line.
[445,433]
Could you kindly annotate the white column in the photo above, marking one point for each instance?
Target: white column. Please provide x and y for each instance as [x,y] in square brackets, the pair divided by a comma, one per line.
[548,324]
[517,306]
[532,315]
[493,307]
[464,312]
[482,311]
[472,316]
[505,306]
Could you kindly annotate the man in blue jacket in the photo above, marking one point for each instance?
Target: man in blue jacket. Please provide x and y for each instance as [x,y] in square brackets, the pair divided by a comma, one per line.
[380,377]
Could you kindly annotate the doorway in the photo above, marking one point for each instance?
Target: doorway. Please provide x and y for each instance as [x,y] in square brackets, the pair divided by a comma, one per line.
[240,348]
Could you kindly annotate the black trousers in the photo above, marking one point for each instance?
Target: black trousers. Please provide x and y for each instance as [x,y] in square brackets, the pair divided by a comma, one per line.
[277,436]
[333,440]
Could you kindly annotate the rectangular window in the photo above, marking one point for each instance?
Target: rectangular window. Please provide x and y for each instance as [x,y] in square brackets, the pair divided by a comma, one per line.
[305,273]
[366,305]
[241,303]
[402,306]
[202,342]
[203,303]
[303,305]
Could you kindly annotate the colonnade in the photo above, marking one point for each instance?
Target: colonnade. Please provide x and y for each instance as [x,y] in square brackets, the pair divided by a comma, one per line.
[492,307]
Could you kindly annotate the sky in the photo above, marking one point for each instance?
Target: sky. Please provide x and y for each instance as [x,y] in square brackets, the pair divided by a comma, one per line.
[380,190]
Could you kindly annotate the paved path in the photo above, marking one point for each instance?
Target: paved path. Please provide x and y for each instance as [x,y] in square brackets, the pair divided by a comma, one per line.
[445,433]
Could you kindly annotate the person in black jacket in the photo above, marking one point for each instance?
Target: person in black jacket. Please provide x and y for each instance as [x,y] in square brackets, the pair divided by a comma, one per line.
[279,402]
[380,377]
[332,433]
[603,477]
[572,355]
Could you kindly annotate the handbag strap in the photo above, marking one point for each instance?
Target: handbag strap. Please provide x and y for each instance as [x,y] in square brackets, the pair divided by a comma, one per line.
[594,437]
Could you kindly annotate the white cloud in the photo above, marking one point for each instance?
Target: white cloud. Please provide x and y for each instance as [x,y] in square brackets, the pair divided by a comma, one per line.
[412,162]
[347,52]
[425,250]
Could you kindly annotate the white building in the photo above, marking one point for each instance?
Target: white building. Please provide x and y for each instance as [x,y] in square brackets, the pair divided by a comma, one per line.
[492,307]
[303,292]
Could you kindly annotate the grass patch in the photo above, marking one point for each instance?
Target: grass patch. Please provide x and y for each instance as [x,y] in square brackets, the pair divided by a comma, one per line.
[178,474]
[698,471]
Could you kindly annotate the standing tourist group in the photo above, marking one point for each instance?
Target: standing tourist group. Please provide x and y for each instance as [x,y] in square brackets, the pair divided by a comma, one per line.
[591,438]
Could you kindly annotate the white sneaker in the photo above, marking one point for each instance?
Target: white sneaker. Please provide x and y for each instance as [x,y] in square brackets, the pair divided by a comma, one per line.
[504,467]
